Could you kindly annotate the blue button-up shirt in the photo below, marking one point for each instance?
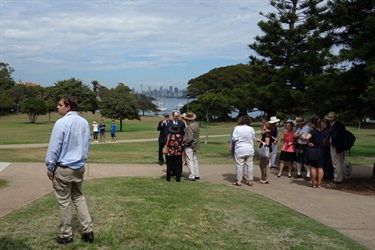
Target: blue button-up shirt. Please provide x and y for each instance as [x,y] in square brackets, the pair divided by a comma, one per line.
[69,143]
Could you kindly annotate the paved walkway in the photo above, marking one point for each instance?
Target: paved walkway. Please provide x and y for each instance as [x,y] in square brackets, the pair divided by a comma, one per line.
[351,214]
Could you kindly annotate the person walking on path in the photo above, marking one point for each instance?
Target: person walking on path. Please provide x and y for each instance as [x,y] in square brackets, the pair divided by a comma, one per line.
[65,160]
[162,128]
[191,144]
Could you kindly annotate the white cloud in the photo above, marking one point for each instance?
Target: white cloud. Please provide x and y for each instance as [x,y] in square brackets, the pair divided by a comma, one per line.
[39,37]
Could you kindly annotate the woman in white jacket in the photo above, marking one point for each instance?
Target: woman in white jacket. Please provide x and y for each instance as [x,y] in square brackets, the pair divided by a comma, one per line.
[244,137]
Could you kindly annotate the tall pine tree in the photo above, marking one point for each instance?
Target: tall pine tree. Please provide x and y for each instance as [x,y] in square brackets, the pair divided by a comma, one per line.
[290,51]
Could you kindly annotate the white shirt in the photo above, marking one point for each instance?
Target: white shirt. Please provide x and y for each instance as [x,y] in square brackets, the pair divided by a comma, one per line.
[244,136]
[303,131]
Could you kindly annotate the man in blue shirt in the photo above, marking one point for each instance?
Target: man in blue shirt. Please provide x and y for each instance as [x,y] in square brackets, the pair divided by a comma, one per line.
[65,159]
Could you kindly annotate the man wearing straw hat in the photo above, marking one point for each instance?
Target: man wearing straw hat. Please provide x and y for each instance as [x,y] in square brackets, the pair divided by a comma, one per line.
[337,147]
[191,144]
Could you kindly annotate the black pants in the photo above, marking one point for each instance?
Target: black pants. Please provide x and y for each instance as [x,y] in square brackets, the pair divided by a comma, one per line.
[161,157]
[174,167]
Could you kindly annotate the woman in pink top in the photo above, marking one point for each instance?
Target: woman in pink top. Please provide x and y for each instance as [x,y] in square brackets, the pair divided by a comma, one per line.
[288,149]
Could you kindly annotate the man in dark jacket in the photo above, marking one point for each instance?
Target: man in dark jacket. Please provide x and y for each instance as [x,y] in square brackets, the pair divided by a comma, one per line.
[337,147]
[179,123]
[162,127]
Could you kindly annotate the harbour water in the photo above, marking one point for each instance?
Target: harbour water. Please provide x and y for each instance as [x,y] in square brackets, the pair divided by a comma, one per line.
[171,104]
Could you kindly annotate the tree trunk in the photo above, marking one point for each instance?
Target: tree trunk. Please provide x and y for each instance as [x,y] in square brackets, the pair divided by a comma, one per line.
[120,125]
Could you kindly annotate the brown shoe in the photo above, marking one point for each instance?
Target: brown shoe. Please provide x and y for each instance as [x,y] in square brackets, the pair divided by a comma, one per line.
[297,176]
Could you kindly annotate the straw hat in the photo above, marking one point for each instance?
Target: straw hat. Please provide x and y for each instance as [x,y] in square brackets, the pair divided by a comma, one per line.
[299,120]
[190,116]
[331,116]
[183,115]
[274,119]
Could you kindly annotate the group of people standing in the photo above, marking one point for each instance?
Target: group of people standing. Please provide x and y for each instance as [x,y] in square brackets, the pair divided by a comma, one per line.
[70,141]
[316,146]
[100,129]
[181,137]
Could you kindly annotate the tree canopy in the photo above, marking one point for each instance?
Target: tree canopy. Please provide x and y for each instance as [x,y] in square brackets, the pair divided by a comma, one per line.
[119,104]
[34,108]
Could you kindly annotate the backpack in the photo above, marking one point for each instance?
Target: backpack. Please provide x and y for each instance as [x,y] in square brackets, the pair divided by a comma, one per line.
[349,140]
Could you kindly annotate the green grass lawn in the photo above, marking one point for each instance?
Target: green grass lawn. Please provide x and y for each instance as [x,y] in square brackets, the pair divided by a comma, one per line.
[150,213]
[15,129]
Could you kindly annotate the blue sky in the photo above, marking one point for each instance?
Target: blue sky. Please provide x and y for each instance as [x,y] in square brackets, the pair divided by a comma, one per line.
[150,42]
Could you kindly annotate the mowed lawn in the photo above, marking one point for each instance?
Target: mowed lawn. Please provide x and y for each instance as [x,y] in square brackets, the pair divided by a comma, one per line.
[15,129]
[149,213]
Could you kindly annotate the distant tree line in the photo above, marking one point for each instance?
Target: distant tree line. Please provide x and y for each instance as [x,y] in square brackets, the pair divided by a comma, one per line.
[117,103]
[313,56]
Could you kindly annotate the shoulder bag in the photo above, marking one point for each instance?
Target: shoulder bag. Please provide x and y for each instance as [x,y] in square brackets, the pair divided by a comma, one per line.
[264,152]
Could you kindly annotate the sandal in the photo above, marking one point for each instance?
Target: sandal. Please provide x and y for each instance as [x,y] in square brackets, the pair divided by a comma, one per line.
[313,186]
[318,186]
[236,184]
[250,183]
[279,175]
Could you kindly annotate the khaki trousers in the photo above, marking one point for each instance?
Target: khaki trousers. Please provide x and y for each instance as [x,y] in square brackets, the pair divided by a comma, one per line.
[67,184]
[240,162]
[338,163]
[192,163]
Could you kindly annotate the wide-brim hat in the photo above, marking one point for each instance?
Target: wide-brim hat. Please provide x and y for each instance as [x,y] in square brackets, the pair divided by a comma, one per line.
[331,116]
[183,115]
[174,129]
[299,120]
[273,119]
[190,116]
[166,114]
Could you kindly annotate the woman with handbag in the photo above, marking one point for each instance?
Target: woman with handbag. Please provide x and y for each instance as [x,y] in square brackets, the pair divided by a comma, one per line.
[288,149]
[315,152]
[264,158]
